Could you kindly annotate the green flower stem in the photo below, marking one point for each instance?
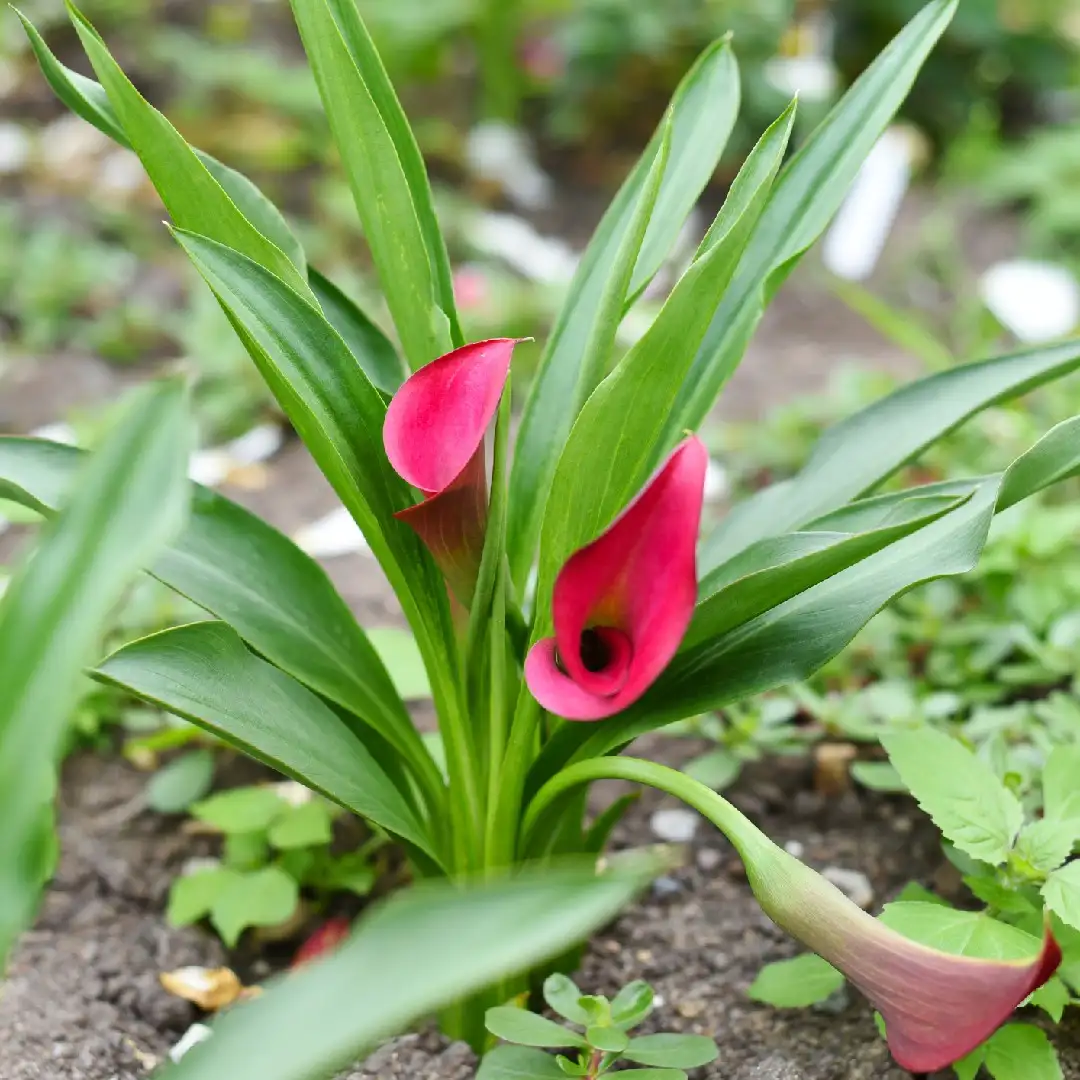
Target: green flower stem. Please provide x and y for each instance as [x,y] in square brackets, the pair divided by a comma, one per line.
[504,813]
[497,27]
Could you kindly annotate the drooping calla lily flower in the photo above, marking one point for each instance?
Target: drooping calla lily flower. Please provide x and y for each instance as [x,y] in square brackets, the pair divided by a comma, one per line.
[621,605]
[434,437]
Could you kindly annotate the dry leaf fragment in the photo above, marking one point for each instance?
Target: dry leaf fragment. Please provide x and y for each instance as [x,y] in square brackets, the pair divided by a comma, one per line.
[208,988]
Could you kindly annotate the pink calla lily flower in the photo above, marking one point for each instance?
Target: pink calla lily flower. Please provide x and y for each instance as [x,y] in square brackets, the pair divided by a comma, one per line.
[434,437]
[622,604]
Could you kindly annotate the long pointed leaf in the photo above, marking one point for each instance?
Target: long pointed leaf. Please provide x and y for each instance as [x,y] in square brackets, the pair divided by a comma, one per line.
[130,500]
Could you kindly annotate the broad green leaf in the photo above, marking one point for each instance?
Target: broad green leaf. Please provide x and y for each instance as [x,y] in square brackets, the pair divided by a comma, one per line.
[429,945]
[562,994]
[528,1029]
[1045,844]
[245,572]
[373,350]
[609,1039]
[129,500]
[1061,784]
[180,783]
[632,1004]
[616,440]
[401,658]
[381,190]
[859,452]
[716,769]
[797,983]
[194,198]
[88,100]
[266,897]
[959,791]
[967,1068]
[241,810]
[509,1062]
[1055,457]
[877,776]
[1021,1052]
[204,673]
[339,415]
[1062,893]
[962,933]
[193,895]
[1053,997]
[699,120]
[808,193]
[672,1050]
[655,1074]
[306,825]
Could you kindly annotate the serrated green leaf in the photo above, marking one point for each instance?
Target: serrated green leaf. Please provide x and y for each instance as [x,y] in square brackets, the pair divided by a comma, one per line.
[266,897]
[993,893]
[963,933]
[1052,997]
[528,1029]
[241,810]
[671,1050]
[1045,844]
[794,984]
[306,825]
[191,896]
[877,776]
[962,795]
[562,995]
[401,657]
[611,1040]
[519,1063]
[1062,893]
[1021,1052]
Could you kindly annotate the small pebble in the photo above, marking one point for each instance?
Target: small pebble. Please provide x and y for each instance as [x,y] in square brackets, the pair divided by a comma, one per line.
[795,849]
[664,887]
[708,859]
[674,826]
[854,884]
[194,1035]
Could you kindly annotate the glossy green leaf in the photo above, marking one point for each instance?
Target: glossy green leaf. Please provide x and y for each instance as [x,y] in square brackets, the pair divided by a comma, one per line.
[1021,1052]
[241,810]
[562,994]
[380,187]
[430,945]
[529,1029]
[204,673]
[185,779]
[632,1004]
[266,897]
[129,500]
[808,193]
[700,118]
[609,1039]
[655,1074]
[797,983]
[962,933]
[194,198]
[508,1062]
[373,350]
[616,440]
[339,415]
[1055,457]
[672,1050]
[959,791]
[245,572]
[1062,893]
[864,449]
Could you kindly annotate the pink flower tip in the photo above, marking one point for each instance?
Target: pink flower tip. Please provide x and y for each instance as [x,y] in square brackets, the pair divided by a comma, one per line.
[325,939]
[621,604]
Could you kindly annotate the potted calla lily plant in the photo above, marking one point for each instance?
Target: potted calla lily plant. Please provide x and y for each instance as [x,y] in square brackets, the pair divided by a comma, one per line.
[553,564]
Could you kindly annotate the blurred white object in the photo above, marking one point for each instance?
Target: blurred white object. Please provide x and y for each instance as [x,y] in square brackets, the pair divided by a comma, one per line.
[855,241]
[122,172]
[69,148]
[331,536]
[14,149]
[717,483]
[813,78]
[1035,301]
[293,793]
[58,432]
[197,1033]
[520,246]
[503,154]
[212,467]
[635,324]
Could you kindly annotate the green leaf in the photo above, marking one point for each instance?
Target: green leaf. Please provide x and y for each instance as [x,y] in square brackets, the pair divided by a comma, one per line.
[1045,844]
[959,791]
[716,769]
[400,656]
[797,983]
[609,1039]
[241,810]
[430,945]
[266,897]
[617,440]
[1021,1052]
[656,1074]
[194,198]
[808,193]
[859,452]
[699,120]
[967,1068]
[962,933]
[632,1004]
[1055,457]
[185,779]
[1062,893]
[245,850]
[192,896]
[339,415]
[203,672]
[128,501]
[380,187]
[302,826]
[562,994]
[527,1029]
[877,776]
[1061,791]
[372,349]
[519,1063]
[671,1050]
[599,832]
[1052,997]
[237,567]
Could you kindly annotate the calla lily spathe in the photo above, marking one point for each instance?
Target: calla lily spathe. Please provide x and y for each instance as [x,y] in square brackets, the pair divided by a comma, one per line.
[434,437]
[621,605]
